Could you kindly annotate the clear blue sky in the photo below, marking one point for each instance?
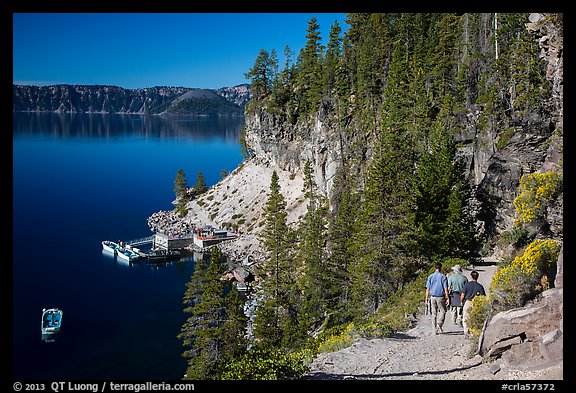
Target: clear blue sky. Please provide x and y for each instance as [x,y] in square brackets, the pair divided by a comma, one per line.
[136,50]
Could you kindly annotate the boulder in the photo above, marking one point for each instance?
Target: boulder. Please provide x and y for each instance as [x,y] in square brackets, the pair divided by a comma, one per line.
[528,334]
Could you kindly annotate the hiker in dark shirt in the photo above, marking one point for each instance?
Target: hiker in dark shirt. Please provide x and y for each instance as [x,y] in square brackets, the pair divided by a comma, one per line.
[471,289]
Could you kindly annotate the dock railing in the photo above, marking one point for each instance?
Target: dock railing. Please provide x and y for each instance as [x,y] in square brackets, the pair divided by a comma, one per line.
[138,242]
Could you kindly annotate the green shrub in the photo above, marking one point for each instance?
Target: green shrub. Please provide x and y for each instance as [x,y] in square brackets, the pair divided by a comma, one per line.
[518,237]
[375,329]
[337,339]
[182,210]
[504,138]
[273,364]
[448,263]
[403,302]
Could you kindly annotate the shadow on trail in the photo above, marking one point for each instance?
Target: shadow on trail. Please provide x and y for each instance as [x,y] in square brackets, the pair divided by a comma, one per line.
[402,336]
[457,333]
[327,376]
[482,262]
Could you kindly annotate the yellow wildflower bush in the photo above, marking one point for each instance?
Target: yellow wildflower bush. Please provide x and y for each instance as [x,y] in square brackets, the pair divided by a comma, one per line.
[522,279]
[477,314]
[535,192]
[339,341]
[375,329]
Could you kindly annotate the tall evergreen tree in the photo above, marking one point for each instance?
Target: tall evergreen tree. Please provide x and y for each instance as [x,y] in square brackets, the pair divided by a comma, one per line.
[277,316]
[524,70]
[203,330]
[313,234]
[180,188]
[332,62]
[444,57]
[180,183]
[210,313]
[441,192]
[192,296]
[310,69]
[284,97]
[234,328]
[214,334]
[384,256]
[200,187]
[262,74]
[341,249]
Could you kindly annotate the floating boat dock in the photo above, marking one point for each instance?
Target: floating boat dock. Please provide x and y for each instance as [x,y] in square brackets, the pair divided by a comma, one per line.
[169,247]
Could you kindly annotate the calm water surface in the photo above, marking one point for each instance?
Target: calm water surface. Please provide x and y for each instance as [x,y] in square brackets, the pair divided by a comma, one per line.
[81,179]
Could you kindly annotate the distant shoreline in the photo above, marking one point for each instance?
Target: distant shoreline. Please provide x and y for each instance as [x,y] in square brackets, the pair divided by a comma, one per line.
[130,113]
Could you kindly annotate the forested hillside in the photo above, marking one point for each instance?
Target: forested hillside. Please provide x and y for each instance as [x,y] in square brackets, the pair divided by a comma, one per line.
[419,138]
[114,99]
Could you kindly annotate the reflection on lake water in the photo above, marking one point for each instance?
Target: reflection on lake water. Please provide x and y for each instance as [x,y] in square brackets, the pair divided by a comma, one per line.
[175,127]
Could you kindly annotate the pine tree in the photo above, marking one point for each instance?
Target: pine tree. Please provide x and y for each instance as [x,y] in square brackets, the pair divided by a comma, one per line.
[262,75]
[233,328]
[445,227]
[200,187]
[223,173]
[180,189]
[313,234]
[310,69]
[444,58]
[276,320]
[192,296]
[209,314]
[180,183]
[332,61]
[283,92]
[383,256]
[524,70]
[341,249]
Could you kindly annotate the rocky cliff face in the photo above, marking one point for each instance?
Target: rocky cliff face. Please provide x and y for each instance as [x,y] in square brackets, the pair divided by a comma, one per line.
[494,171]
[238,95]
[288,146]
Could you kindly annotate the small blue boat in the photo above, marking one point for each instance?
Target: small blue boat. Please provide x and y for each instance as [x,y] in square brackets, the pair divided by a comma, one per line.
[51,323]
[127,254]
[110,246]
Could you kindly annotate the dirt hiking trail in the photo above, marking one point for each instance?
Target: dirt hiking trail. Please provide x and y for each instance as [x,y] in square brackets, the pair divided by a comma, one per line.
[415,354]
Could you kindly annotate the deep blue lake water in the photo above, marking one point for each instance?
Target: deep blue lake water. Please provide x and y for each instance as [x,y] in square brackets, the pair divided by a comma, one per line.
[77,180]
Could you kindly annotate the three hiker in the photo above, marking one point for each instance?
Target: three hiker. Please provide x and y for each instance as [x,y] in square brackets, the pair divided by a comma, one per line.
[456,291]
